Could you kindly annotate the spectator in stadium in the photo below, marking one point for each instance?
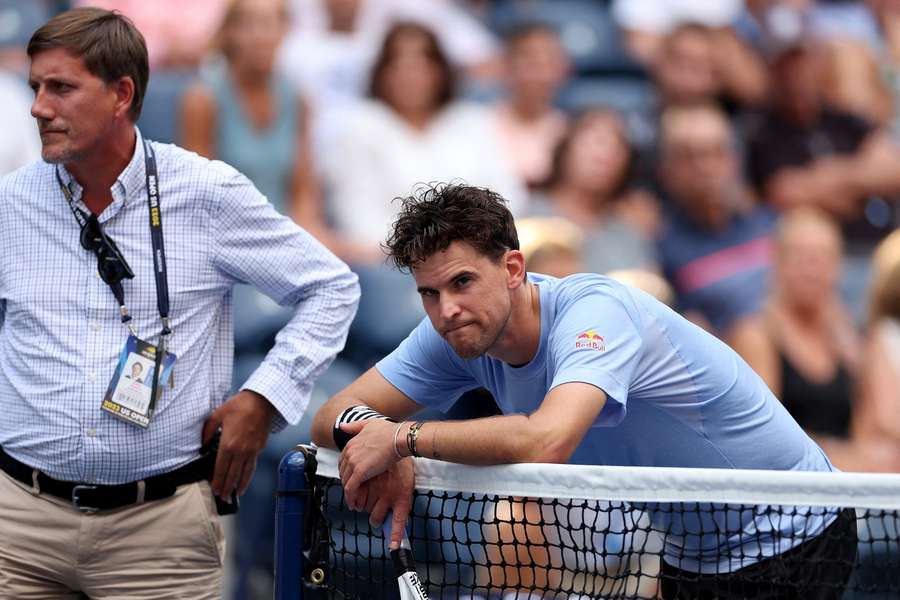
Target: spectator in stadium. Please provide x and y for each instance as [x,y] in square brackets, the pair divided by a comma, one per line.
[178,33]
[715,246]
[805,152]
[804,344]
[699,64]
[411,130]
[528,124]
[585,370]
[589,185]
[876,417]
[136,505]
[19,141]
[691,69]
[243,113]
[334,43]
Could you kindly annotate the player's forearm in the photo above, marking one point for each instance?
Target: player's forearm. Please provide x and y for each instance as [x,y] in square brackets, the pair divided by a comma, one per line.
[488,441]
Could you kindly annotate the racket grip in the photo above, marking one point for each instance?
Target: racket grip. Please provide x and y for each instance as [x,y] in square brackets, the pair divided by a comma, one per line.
[408,582]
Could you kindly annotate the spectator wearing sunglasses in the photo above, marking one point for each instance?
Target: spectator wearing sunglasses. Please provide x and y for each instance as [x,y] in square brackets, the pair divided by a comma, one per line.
[115,245]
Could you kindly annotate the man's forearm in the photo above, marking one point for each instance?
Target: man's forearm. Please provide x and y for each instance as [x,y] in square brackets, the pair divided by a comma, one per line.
[487,441]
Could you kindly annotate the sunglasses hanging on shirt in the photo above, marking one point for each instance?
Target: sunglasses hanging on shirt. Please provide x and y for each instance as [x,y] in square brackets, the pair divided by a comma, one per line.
[111,263]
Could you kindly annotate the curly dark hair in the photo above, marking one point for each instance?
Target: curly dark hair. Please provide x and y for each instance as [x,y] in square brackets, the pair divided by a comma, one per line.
[438,214]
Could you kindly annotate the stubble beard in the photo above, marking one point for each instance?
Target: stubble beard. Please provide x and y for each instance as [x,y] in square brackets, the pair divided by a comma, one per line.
[485,342]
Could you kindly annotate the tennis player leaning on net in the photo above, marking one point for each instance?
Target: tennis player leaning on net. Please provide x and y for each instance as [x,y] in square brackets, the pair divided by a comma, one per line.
[585,370]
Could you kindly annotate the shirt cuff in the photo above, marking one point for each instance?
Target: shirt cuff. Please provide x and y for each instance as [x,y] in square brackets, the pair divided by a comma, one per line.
[281,392]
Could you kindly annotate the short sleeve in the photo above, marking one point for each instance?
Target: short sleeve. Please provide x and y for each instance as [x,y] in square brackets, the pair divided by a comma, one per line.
[595,340]
[425,369]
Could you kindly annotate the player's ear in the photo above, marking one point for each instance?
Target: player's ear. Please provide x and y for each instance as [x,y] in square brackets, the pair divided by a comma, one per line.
[514,262]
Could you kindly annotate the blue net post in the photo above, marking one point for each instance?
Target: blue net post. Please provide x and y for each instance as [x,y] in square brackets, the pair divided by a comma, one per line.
[290,512]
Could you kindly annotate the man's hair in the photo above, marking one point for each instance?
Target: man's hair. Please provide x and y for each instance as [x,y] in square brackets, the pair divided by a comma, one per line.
[138,365]
[437,215]
[108,43]
[522,31]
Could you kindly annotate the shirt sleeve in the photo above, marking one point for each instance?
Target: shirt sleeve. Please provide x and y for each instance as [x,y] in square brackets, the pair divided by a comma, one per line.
[595,340]
[258,246]
[425,369]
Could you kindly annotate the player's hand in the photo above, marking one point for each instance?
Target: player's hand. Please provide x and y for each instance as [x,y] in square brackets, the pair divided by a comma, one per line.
[246,420]
[367,455]
[390,491]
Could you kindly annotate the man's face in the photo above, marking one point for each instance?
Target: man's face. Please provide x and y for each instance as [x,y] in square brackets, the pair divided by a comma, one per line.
[698,164]
[136,369]
[75,110]
[537,65]
[466,296]
[685,71]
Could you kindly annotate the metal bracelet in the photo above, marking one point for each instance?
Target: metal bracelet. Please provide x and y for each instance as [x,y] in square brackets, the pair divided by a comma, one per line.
[397,433]
[412,436]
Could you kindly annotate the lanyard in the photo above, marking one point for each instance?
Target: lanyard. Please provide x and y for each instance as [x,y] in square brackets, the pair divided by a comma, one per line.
[156,237]
[159,258]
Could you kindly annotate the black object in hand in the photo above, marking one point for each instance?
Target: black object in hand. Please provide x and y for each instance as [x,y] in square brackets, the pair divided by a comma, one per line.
[212,448]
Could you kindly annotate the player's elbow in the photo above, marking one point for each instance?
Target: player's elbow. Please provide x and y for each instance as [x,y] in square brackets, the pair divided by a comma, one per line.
[549,444]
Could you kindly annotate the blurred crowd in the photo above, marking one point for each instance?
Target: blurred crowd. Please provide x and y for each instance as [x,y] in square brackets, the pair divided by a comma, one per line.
[740,160]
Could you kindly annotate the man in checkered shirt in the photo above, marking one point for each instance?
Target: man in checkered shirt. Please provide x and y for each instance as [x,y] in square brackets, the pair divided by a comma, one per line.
[89,503]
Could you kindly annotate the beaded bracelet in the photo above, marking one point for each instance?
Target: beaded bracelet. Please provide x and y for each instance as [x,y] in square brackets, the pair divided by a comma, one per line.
[412,436]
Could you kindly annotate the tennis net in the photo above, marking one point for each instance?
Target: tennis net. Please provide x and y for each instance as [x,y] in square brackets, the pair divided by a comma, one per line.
[565,531]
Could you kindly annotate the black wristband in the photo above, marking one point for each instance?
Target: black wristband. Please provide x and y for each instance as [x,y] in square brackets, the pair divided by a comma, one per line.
[359,412]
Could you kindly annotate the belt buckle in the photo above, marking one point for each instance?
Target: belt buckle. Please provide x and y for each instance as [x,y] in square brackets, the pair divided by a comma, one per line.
[76,498]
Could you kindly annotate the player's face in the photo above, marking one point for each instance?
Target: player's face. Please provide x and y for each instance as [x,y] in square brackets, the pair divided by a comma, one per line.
[75,110]
[466,296]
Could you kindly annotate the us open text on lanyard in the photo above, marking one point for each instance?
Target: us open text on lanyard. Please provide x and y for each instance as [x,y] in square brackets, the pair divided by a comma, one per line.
[158,353]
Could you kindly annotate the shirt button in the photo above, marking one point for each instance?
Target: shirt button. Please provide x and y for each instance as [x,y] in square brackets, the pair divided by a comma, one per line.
[97,274]
[92,376]
[91,432]
[95,326]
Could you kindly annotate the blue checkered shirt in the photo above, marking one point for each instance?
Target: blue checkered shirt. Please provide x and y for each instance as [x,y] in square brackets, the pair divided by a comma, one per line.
[60,333]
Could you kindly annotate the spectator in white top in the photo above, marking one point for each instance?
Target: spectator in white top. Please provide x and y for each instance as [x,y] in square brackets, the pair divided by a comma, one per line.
[410,131]
[334,44]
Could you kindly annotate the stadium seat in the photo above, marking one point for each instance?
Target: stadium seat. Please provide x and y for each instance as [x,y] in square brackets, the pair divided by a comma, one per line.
[628,95]
[18,20]
[160,115]
[586,29]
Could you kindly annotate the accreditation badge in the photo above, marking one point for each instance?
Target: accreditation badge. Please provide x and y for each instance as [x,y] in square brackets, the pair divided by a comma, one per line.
[129,395]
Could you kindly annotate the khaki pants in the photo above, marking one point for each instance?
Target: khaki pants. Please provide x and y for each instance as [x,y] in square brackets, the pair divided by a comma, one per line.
[165,549]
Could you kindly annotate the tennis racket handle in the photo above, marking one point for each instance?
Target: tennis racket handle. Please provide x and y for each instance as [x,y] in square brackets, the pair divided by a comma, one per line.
[411,587]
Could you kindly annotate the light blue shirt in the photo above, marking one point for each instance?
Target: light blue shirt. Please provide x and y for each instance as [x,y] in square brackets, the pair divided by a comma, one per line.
[676,397]
[60,334]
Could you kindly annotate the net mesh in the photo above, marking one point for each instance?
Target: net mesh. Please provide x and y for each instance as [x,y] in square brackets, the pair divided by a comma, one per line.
[571,532]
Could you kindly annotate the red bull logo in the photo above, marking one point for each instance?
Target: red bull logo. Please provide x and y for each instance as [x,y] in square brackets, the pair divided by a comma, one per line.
[590,340]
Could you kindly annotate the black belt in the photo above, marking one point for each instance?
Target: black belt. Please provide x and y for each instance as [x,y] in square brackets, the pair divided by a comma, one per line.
[88,497]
